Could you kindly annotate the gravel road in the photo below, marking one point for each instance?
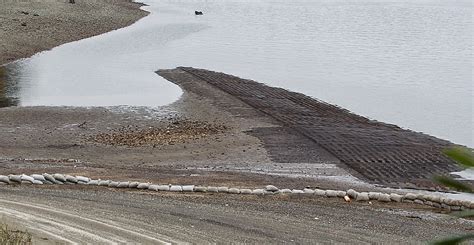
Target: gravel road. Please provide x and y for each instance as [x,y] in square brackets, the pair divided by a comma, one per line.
[66,215]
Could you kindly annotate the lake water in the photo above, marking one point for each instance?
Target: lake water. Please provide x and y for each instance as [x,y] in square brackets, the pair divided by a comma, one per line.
[402,62]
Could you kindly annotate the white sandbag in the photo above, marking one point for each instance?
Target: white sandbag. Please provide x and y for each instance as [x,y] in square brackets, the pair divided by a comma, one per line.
[153,187]
[200,189]
[374,195]
[15,178]
[176,188]
[258,191]
[362,196]
[59,177]
[285,191]
[188,188]
[308,191]
[294,191]
[163,188]
[410,196]
[271,188]
[352,193]
[396,197]
[245,191]
[331,193]
[38,177]
[49,178]
[71,179]
[212,189]
[37,182]
[234,190]
[223,189]
[27,178]
[133,185]
[104,182]
[341,194]
[143,186]
[47,182]
[4,179]
[93,182]
[384,197]
[123,184]
[320,193]
[82,179]
[113,184]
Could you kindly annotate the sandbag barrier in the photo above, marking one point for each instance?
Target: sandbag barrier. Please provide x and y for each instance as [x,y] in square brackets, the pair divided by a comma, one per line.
[349,195]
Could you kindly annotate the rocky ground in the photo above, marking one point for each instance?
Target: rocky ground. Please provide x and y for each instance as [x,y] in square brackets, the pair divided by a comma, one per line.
[28,26]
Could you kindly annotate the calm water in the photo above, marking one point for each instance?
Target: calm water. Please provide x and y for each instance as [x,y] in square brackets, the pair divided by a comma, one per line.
[402,62]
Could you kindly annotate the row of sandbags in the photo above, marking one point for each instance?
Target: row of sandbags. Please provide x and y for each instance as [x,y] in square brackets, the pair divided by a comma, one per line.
[349,195]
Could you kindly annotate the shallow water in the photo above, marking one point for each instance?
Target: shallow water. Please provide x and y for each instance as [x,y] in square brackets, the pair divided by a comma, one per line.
[402,62]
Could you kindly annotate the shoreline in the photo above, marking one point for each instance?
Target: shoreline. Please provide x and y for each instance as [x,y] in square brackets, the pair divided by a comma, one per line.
[34,26]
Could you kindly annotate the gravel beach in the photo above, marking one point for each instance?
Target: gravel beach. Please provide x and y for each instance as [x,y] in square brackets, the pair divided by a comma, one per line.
[27,27]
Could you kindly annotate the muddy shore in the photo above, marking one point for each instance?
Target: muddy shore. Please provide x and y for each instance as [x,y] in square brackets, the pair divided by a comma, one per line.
[27,27]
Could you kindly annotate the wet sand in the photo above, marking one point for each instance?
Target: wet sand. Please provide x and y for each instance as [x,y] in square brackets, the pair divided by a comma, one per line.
[27,27]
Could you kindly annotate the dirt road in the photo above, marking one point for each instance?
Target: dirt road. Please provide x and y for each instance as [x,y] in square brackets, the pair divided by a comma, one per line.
[80,214]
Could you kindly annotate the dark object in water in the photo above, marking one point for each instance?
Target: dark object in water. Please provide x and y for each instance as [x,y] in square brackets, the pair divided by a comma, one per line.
[197,12]
[72,1]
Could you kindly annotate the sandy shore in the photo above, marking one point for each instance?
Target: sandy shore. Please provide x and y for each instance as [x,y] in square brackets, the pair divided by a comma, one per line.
[29,26]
